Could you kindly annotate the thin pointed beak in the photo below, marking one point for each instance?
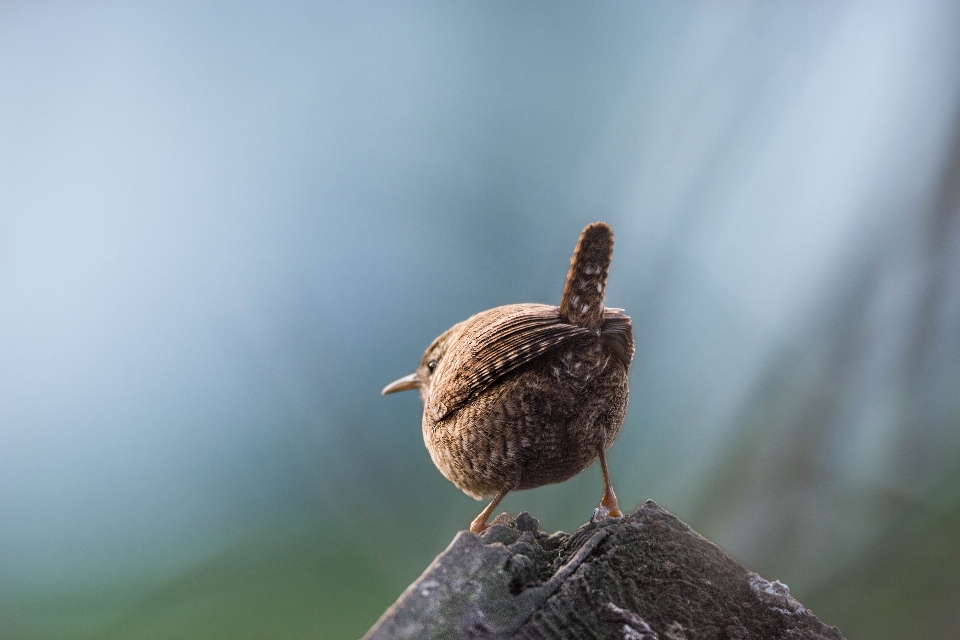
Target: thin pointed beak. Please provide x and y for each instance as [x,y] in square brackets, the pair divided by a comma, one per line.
[403,384]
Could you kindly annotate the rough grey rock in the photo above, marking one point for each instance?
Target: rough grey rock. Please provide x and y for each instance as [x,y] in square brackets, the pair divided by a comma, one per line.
[647,576]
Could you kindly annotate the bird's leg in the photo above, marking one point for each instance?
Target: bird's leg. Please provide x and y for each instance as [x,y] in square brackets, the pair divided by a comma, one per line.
[609,500]
[479,524]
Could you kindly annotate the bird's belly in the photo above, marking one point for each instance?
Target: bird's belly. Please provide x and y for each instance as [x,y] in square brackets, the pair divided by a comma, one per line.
[537,426]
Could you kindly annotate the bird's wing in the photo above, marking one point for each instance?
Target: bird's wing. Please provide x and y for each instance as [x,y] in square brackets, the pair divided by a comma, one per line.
[500,340]
[492,344]
[617,335]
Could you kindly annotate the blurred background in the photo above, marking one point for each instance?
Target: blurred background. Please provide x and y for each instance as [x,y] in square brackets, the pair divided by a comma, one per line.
[225,227]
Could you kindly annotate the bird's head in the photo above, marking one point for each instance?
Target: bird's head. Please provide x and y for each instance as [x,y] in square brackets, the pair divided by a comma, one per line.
[429,365]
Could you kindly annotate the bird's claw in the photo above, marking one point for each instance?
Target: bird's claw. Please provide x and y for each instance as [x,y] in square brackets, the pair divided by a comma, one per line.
[606,510]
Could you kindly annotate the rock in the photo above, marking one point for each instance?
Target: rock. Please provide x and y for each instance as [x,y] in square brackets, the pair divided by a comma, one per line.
[647,576]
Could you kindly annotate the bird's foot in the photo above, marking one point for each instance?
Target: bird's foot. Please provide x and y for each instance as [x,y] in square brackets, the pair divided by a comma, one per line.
[599,514]
[615,512]
[503,518]
[478,526]
[609,508]
[603,512]
[608,503]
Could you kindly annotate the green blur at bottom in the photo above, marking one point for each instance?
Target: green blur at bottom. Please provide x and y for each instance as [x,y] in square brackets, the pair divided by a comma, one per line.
[307,587]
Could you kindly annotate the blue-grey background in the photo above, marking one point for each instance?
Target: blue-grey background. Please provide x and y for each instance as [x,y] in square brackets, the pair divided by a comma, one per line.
[224,227]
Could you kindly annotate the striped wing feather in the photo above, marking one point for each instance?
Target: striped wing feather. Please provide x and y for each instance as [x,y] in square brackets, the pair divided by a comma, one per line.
[617,335]
[498,341]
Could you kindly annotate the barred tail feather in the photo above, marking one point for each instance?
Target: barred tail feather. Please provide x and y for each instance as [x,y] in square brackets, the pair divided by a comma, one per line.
[582,302]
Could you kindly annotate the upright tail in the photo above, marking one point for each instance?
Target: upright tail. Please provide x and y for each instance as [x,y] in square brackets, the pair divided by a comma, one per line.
[582,302]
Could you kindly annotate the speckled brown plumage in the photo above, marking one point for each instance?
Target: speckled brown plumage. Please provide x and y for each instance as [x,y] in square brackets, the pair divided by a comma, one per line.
[525,395]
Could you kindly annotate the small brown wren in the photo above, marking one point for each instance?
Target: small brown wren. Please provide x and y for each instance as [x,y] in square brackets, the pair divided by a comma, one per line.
[524,395]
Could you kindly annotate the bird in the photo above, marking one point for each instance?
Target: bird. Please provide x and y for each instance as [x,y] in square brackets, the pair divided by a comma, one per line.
[524,395]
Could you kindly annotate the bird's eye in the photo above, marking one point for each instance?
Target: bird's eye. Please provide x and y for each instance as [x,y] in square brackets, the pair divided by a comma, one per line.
[432,365]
